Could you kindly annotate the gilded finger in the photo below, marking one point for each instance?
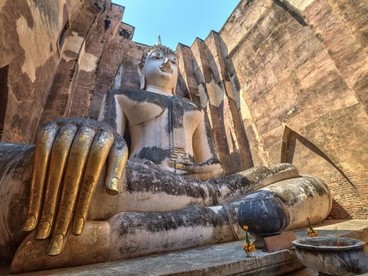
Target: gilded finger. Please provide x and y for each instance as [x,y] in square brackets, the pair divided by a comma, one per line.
[44,142]
[72,179]
[58,159]
[117,161]
[96,160]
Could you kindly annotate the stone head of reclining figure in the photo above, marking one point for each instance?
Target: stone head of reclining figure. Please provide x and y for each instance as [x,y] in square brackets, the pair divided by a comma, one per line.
[170,155]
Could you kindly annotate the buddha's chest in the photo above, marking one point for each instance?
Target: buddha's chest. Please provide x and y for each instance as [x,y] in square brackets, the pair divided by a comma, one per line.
[142,107]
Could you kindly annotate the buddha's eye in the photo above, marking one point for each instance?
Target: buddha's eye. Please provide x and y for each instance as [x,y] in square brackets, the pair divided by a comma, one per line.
[173,60]
[156,55]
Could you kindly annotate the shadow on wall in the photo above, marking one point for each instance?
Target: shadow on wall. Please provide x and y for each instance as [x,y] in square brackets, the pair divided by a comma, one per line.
[288,150]
[338,211]
[3,97]
[348,201]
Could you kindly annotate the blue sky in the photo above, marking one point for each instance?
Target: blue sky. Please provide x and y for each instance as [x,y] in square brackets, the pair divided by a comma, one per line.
[176,21]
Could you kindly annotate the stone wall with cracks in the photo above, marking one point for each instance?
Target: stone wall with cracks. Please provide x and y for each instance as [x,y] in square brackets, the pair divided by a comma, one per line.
[304,65]
[52,50]
[29,45]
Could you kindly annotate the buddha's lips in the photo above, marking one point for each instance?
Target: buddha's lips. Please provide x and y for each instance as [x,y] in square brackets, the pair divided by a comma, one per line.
[165,69]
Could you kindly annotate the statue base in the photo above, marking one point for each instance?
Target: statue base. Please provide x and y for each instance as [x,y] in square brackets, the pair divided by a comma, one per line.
[218,259]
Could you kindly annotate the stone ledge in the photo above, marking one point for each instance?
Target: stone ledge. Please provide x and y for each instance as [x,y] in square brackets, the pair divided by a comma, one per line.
[218,259]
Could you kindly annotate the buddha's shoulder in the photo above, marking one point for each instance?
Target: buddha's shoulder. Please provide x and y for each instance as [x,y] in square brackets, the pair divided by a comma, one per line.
[140,96]
[129,92]
[189,105]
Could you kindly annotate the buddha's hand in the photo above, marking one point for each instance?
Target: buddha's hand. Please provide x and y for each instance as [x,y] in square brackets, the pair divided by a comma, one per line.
[69,158]
[205,170]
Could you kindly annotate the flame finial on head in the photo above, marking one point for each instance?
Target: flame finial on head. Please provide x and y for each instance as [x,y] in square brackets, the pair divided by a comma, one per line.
[158,45]
[159,41]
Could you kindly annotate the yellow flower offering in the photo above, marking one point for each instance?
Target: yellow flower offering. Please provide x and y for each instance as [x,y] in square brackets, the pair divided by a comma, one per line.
[311,232]
[248,246]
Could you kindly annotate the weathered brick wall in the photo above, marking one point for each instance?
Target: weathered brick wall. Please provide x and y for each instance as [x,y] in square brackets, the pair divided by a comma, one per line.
[117,69]
[98,53]
[40,42]
[85,40]
[53,61]
[347,190]
[29,51]
[304,64]
[208,80]
[347,199]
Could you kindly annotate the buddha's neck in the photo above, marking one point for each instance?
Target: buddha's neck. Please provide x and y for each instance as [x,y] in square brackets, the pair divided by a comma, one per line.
[159,90]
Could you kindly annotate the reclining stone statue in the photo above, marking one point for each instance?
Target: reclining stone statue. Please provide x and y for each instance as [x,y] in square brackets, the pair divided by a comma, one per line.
[87,203]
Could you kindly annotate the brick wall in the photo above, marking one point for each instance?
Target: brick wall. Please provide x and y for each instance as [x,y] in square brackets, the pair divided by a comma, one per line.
[305,67]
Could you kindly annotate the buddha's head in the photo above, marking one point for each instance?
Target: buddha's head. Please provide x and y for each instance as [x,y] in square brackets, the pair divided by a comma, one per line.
[158,69]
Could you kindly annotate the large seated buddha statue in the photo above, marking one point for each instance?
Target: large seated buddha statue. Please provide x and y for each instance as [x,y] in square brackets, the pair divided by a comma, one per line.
[81,195]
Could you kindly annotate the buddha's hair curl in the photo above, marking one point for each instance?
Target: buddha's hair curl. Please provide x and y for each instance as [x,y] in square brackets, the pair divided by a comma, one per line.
[164,49]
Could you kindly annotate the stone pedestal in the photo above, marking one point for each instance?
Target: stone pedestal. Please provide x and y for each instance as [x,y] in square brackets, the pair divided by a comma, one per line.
[217,259]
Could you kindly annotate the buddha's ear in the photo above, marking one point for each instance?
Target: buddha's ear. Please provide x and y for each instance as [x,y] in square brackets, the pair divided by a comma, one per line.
[173,90]
[142,78]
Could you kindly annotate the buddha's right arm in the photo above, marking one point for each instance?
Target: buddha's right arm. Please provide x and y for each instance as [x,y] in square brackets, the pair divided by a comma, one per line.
[69,157]
[111,111]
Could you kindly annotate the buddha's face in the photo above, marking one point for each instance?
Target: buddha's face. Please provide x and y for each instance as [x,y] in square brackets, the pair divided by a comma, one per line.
[160,70]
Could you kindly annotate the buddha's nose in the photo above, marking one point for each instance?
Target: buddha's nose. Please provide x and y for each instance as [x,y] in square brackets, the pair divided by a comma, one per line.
[166,59]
